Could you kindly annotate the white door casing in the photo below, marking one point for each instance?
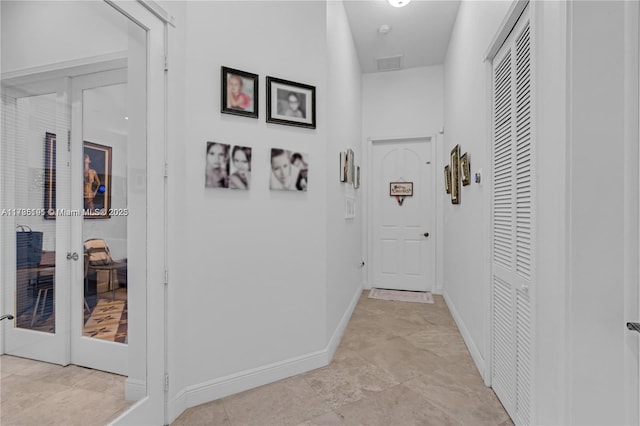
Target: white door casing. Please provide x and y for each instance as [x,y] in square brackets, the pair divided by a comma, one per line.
[403,257]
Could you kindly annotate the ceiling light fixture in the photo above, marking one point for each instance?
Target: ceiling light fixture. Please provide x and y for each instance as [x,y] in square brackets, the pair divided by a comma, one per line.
[398,3]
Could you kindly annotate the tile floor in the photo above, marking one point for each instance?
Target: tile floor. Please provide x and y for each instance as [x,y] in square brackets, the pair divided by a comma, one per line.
[398,364]
[37,393]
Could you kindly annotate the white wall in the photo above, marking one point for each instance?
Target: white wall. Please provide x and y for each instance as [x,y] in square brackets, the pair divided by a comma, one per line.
[48,32]
[402,103]
[466,123]
[602,211]
[250,280]
[344,237]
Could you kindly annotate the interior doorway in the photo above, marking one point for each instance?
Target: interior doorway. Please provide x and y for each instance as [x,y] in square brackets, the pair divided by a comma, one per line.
[402,231]
[67,154]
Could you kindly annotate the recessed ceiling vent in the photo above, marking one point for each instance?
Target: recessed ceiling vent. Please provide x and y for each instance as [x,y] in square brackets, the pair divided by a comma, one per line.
[390,63]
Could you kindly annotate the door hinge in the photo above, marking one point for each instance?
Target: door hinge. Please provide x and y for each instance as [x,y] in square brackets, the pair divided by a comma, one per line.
[166,169]
[166,277]
[166,382]
[68,140]
[166,62]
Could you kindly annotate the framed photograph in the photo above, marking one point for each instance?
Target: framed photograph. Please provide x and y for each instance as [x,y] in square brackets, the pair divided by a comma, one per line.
[403,189]
[50,176]
[356,181]
[465,169]
[291,104]
[350,165]
[447,179]
[240,177]
[455,175]
[343,166]
[97,181]
[289,170]
[216,172]
[239,92]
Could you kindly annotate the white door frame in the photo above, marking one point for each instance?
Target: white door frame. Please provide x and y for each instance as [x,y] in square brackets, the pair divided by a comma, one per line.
[147,352]
[367,203]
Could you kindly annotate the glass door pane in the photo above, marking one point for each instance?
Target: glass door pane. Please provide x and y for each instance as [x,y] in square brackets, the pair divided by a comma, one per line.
[104,232]
[35,126]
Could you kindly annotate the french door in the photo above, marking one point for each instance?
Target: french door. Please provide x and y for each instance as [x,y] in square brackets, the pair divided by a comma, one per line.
[73,184]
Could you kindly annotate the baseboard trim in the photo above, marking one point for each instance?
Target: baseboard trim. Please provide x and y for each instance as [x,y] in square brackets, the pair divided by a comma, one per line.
[135,390]
[342,325]
[249,379]
[468,340]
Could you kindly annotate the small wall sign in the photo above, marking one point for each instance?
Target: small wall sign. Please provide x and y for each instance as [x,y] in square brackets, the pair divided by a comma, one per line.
[401,188]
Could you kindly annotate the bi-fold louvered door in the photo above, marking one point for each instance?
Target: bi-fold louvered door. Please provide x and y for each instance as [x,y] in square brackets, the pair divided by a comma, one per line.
[512,343]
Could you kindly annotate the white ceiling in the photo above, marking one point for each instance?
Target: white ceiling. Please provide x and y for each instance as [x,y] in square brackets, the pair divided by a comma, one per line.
[420,31]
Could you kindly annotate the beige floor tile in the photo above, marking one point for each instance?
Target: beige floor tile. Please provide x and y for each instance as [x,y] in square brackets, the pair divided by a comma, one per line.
[348,378]
[398,405]
[472,404]
[69,407]
[287,402]
[327,419]
[401,359]
[212,413]
[26,367]
[19,393]
[99,381]
[439,341]
[41,393]
[69,375]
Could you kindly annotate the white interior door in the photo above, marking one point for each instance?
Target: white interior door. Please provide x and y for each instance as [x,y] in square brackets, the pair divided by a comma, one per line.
[35,269]
[403,231]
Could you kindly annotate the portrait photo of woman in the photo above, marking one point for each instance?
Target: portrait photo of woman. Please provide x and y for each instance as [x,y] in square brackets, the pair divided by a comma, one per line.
[217,165]
[240,167]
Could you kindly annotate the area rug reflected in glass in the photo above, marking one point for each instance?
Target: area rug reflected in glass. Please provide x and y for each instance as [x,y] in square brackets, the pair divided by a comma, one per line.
[401,295]
[107,320]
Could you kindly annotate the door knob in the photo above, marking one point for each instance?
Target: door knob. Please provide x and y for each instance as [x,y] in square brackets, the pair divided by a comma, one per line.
[426,234]
[8,316]
[71,256]
[633,326]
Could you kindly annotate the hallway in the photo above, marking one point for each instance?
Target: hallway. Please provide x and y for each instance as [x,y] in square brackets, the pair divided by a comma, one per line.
[398,364]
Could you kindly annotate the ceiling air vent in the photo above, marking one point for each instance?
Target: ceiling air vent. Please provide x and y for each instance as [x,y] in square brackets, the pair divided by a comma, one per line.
[390,63]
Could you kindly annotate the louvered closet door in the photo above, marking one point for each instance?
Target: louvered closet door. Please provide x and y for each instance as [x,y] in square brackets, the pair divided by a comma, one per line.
[512,343]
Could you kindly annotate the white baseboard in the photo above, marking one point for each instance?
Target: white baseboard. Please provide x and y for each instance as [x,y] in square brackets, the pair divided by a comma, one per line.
[135,390]
[249,379]
[342,325]
[473,349]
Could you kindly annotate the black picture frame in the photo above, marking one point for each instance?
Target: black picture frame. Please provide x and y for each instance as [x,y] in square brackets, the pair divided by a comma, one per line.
[290,103]
[248,90]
